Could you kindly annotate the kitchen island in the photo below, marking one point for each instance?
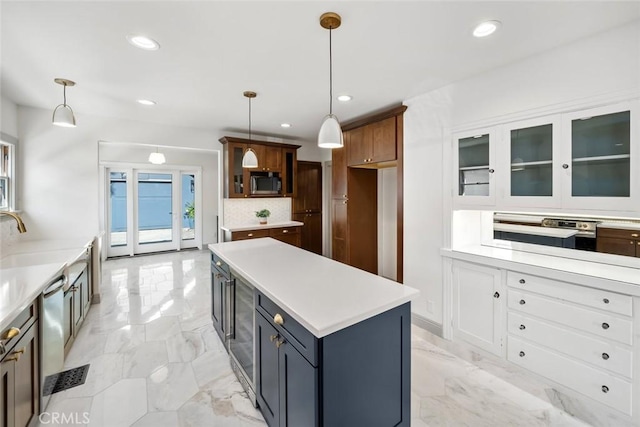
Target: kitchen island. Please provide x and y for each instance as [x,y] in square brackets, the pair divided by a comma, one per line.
[331,342]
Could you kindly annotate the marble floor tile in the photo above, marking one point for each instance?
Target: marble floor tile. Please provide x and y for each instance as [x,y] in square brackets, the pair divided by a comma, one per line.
[170,386]
[122,404]
[157,361]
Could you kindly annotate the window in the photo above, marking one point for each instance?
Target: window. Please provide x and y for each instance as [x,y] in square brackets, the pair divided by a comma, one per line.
[6,176]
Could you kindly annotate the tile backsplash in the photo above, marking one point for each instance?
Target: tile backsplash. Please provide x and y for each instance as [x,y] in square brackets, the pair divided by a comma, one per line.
[241,212]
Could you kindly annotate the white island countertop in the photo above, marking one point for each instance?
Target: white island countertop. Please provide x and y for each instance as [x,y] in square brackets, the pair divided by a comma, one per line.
[257,226]
[561,233]
[323,295]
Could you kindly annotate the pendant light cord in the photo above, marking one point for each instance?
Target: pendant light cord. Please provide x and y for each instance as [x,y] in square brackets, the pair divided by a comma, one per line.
[249,120]
[64,94]
[330,76]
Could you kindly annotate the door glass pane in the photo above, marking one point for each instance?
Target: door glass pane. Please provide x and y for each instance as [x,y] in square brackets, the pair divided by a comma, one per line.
[155,202]
[601,152]
[238,171]
[118,200]
[189,206]
[531,157]
[473,158]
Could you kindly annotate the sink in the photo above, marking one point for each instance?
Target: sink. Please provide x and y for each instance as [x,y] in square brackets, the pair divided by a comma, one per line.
[37,258]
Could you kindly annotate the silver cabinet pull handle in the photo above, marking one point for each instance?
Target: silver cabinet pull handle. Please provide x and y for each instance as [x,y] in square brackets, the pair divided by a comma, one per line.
[521,281]
[605,389]
[605,300]
[565,166]
[522,327]
[522,302]
[521,354]
[496,295]
[605,356]
[605,326]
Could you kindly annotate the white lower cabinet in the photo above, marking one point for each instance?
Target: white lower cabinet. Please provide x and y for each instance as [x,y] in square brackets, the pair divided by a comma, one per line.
[478,306]
[573,335]
[578,336]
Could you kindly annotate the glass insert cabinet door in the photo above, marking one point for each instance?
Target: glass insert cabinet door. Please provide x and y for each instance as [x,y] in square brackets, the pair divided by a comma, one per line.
[474,172]
[603,163]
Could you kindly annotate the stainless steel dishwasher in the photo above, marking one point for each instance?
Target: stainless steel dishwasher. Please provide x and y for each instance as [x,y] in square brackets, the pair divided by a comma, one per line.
[51,337]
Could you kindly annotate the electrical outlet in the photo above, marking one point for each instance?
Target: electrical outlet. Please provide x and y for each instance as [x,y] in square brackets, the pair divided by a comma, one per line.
[430,306]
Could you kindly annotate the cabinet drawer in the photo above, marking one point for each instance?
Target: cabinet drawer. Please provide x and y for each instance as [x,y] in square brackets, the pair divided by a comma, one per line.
[602,324]
[592,382]
[22,321]
[277,232]
[219,264]
[618,233]
[303,340]
[249,234]
[603,300]
[602,353]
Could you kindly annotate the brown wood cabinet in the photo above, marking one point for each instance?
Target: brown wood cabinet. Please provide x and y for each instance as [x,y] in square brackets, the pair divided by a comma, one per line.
[20,372]
[373,144]
[272,158]
[77,302]
[307,205]
[618,241]
[289,235]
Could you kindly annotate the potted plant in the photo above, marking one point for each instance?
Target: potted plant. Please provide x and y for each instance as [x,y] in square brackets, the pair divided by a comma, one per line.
[263,215]
[189,213]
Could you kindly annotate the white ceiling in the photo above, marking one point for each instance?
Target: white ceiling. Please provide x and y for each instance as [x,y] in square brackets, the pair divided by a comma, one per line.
[212,51]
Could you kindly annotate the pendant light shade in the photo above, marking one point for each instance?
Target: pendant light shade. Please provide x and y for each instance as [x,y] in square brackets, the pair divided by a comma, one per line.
[249,159]
[157,158]
[63,114]
[330,135]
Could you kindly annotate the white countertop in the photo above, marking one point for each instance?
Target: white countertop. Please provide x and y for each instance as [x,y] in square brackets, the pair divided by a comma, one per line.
[537,231]
[323,295]
[29,268]
[599,274]
[257,226]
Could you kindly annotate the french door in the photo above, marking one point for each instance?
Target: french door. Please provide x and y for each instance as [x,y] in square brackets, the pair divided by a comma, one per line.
[152,210]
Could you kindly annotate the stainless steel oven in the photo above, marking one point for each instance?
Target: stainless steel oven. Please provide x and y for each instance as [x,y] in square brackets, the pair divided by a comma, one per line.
[585,237]
[241,342]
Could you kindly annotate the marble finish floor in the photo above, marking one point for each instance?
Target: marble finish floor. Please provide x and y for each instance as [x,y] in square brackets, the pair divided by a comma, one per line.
[156,361]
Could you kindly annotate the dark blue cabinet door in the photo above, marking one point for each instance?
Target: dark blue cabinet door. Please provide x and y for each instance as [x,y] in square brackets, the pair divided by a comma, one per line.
[267,381]
[218,284]
[298,389]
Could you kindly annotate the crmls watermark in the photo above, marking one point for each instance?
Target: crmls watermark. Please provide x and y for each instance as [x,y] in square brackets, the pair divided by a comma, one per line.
[61,418]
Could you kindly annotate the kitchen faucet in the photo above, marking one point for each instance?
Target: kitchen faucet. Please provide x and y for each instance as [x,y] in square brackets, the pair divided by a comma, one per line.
[21,227]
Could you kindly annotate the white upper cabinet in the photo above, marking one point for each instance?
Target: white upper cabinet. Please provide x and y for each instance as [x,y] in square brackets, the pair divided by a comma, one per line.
[531,153]
[600,159]
[585,160]
[474,171]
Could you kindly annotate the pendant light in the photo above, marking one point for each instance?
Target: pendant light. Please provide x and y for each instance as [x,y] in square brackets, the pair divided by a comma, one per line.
[157,158]
[330,135]
[249,159]
[63,114]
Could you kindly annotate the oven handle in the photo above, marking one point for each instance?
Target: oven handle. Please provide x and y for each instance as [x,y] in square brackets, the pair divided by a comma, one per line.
[231,309]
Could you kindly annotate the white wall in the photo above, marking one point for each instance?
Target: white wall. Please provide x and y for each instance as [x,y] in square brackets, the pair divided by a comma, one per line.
[387,222]
[8,117]
[591,70]
[58,167]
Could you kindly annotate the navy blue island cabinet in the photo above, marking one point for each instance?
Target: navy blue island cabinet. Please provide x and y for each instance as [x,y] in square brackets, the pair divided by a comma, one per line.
[357,376]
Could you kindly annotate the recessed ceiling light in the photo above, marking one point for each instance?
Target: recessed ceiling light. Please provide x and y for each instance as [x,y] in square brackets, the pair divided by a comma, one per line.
[486,28]
[146,102]
[345,98]
[143,42]
[285,125]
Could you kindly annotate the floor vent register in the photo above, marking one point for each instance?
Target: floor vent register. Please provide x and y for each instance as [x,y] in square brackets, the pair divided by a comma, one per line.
[65,380]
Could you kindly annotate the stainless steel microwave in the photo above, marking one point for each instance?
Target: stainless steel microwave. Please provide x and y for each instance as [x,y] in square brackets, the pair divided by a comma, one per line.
[271,184]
